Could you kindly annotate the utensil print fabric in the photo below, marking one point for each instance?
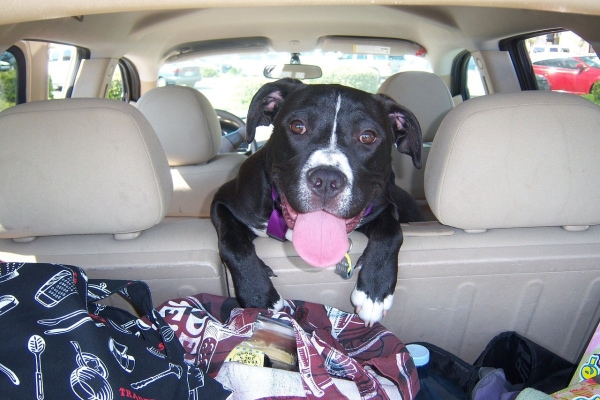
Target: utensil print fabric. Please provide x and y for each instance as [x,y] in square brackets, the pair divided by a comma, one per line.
[36,345]
[56,343]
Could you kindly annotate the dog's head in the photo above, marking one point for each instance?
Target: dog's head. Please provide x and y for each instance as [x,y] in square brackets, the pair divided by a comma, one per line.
[329,155]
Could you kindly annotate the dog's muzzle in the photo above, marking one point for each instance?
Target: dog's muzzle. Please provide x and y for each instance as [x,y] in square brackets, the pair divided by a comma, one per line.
[326,182]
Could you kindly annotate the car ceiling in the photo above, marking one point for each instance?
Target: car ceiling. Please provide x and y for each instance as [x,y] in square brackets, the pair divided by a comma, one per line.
[147,34]
[29,10]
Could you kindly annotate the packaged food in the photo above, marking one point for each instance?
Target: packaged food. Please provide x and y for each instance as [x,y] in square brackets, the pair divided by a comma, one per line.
[273,344]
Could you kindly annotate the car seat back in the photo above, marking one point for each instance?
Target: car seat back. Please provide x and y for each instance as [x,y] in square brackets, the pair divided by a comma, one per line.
[525,159]
[61,175]
[189,130]
[86,182]
[428,97]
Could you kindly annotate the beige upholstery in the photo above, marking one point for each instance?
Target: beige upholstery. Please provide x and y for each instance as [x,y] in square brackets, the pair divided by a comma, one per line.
[522,159]
[61,174]
[458,290]
[75,173]
[423,93]
[184,121]
[454,289]
[428,97]
[189,130]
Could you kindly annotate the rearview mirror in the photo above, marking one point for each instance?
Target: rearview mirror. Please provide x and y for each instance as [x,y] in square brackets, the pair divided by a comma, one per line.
[297,71]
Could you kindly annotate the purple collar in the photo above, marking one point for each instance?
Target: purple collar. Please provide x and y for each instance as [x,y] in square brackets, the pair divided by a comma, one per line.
[276,227]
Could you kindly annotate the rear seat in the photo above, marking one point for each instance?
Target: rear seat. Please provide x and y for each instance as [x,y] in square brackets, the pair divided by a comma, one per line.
[86,182]
[428,97]
[522,170]
[533,266]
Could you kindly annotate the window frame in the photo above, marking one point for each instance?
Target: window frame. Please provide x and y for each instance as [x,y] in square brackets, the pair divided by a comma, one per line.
[21,68]
[130,79]
[458,75]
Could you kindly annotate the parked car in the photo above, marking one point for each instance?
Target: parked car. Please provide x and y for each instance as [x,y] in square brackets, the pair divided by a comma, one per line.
[570,74]
[181,74]
[509,185]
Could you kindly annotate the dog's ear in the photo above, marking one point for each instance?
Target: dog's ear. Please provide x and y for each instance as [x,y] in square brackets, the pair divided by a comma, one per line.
[407,131]
[266,103]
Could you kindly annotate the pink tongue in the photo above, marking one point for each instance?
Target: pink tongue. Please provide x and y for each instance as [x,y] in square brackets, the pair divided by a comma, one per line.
[320,238]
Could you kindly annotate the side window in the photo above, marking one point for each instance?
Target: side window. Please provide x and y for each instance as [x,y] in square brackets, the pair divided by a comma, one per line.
[572,63]
[549,63]
[115,90]
[474,80]
[563,61]
[125,82]
[63,64]
[467,79]
[8,80]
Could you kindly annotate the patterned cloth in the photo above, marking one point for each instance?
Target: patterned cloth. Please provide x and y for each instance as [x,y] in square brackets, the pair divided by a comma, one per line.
[57,342]
[329,342]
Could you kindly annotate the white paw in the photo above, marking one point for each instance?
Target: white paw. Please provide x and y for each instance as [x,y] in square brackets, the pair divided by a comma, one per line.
[278,306]
[368,310]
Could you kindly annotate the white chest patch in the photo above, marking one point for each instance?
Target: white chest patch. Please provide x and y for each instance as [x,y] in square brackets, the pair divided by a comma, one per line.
[260,232]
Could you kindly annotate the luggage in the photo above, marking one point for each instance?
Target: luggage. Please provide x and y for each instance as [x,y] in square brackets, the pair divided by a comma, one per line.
[508,365]
[526,364]
[57,342]
[329,343]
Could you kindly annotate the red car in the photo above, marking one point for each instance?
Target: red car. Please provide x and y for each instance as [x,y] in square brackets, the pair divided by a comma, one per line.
[570,74]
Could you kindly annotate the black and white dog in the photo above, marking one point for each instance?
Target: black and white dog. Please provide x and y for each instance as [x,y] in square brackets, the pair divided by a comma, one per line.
[324,172]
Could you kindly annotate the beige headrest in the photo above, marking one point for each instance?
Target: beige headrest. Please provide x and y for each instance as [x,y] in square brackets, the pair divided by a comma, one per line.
[80,166]
[185,122]
[423,93]
[523,159]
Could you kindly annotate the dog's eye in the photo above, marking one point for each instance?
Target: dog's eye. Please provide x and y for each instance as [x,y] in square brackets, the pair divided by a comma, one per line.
[367,137]
[298,127]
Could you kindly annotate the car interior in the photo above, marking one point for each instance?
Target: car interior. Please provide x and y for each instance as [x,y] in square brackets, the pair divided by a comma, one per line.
[110,164]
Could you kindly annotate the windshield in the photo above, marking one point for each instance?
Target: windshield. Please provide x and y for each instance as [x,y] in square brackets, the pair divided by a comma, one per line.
[230,81]
[592,61]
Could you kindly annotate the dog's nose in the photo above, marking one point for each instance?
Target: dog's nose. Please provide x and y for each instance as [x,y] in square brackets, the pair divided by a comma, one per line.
[326,181]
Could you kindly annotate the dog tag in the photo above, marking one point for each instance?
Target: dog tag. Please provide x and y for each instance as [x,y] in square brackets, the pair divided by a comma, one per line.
[344,268]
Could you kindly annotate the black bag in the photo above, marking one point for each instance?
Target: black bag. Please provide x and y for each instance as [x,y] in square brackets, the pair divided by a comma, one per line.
[56,343]
[453,369]
[526,364]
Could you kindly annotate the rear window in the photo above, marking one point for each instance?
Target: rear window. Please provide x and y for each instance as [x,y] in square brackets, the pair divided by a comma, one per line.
[230,81]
